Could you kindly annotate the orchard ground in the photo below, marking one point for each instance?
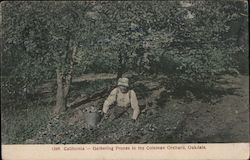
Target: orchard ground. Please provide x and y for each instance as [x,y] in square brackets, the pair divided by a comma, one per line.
[219,115]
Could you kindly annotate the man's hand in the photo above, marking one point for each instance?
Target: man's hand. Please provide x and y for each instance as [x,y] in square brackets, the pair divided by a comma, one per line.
[133,120]
[105,116]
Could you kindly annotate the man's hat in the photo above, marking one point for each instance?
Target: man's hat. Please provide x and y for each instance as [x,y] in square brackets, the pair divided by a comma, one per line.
[123,82]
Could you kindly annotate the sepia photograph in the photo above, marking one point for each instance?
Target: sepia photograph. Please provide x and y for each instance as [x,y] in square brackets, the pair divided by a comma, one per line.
[124,72]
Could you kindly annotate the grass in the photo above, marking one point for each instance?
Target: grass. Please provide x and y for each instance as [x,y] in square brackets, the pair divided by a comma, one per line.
[21,119]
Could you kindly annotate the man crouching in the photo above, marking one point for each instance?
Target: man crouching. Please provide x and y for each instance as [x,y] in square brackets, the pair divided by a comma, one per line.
[121,98]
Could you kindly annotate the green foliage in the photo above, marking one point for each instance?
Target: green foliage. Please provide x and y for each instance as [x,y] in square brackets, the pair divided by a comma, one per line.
[23,121]
[37,36]
[193,39]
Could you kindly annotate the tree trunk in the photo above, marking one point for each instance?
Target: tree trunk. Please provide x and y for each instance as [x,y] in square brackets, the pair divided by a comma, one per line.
[60,99]
[63,82]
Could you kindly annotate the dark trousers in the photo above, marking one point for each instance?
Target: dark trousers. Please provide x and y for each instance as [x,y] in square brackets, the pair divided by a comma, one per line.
[116,112]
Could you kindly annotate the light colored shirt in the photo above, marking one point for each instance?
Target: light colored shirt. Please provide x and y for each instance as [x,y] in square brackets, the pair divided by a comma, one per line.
[122,100]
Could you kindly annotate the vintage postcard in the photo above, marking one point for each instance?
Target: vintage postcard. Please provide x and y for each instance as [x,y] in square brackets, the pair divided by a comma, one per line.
[127,80]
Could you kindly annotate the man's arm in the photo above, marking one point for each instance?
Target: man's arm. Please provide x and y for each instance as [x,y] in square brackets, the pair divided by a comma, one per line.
[109,101]
[134,105]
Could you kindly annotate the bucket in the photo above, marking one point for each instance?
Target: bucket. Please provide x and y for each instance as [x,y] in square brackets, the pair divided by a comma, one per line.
[92,118]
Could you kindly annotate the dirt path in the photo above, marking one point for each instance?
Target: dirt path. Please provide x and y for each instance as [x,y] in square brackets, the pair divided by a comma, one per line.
[93,77]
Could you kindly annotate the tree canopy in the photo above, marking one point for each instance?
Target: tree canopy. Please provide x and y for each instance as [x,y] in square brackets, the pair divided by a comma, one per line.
[194,40]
